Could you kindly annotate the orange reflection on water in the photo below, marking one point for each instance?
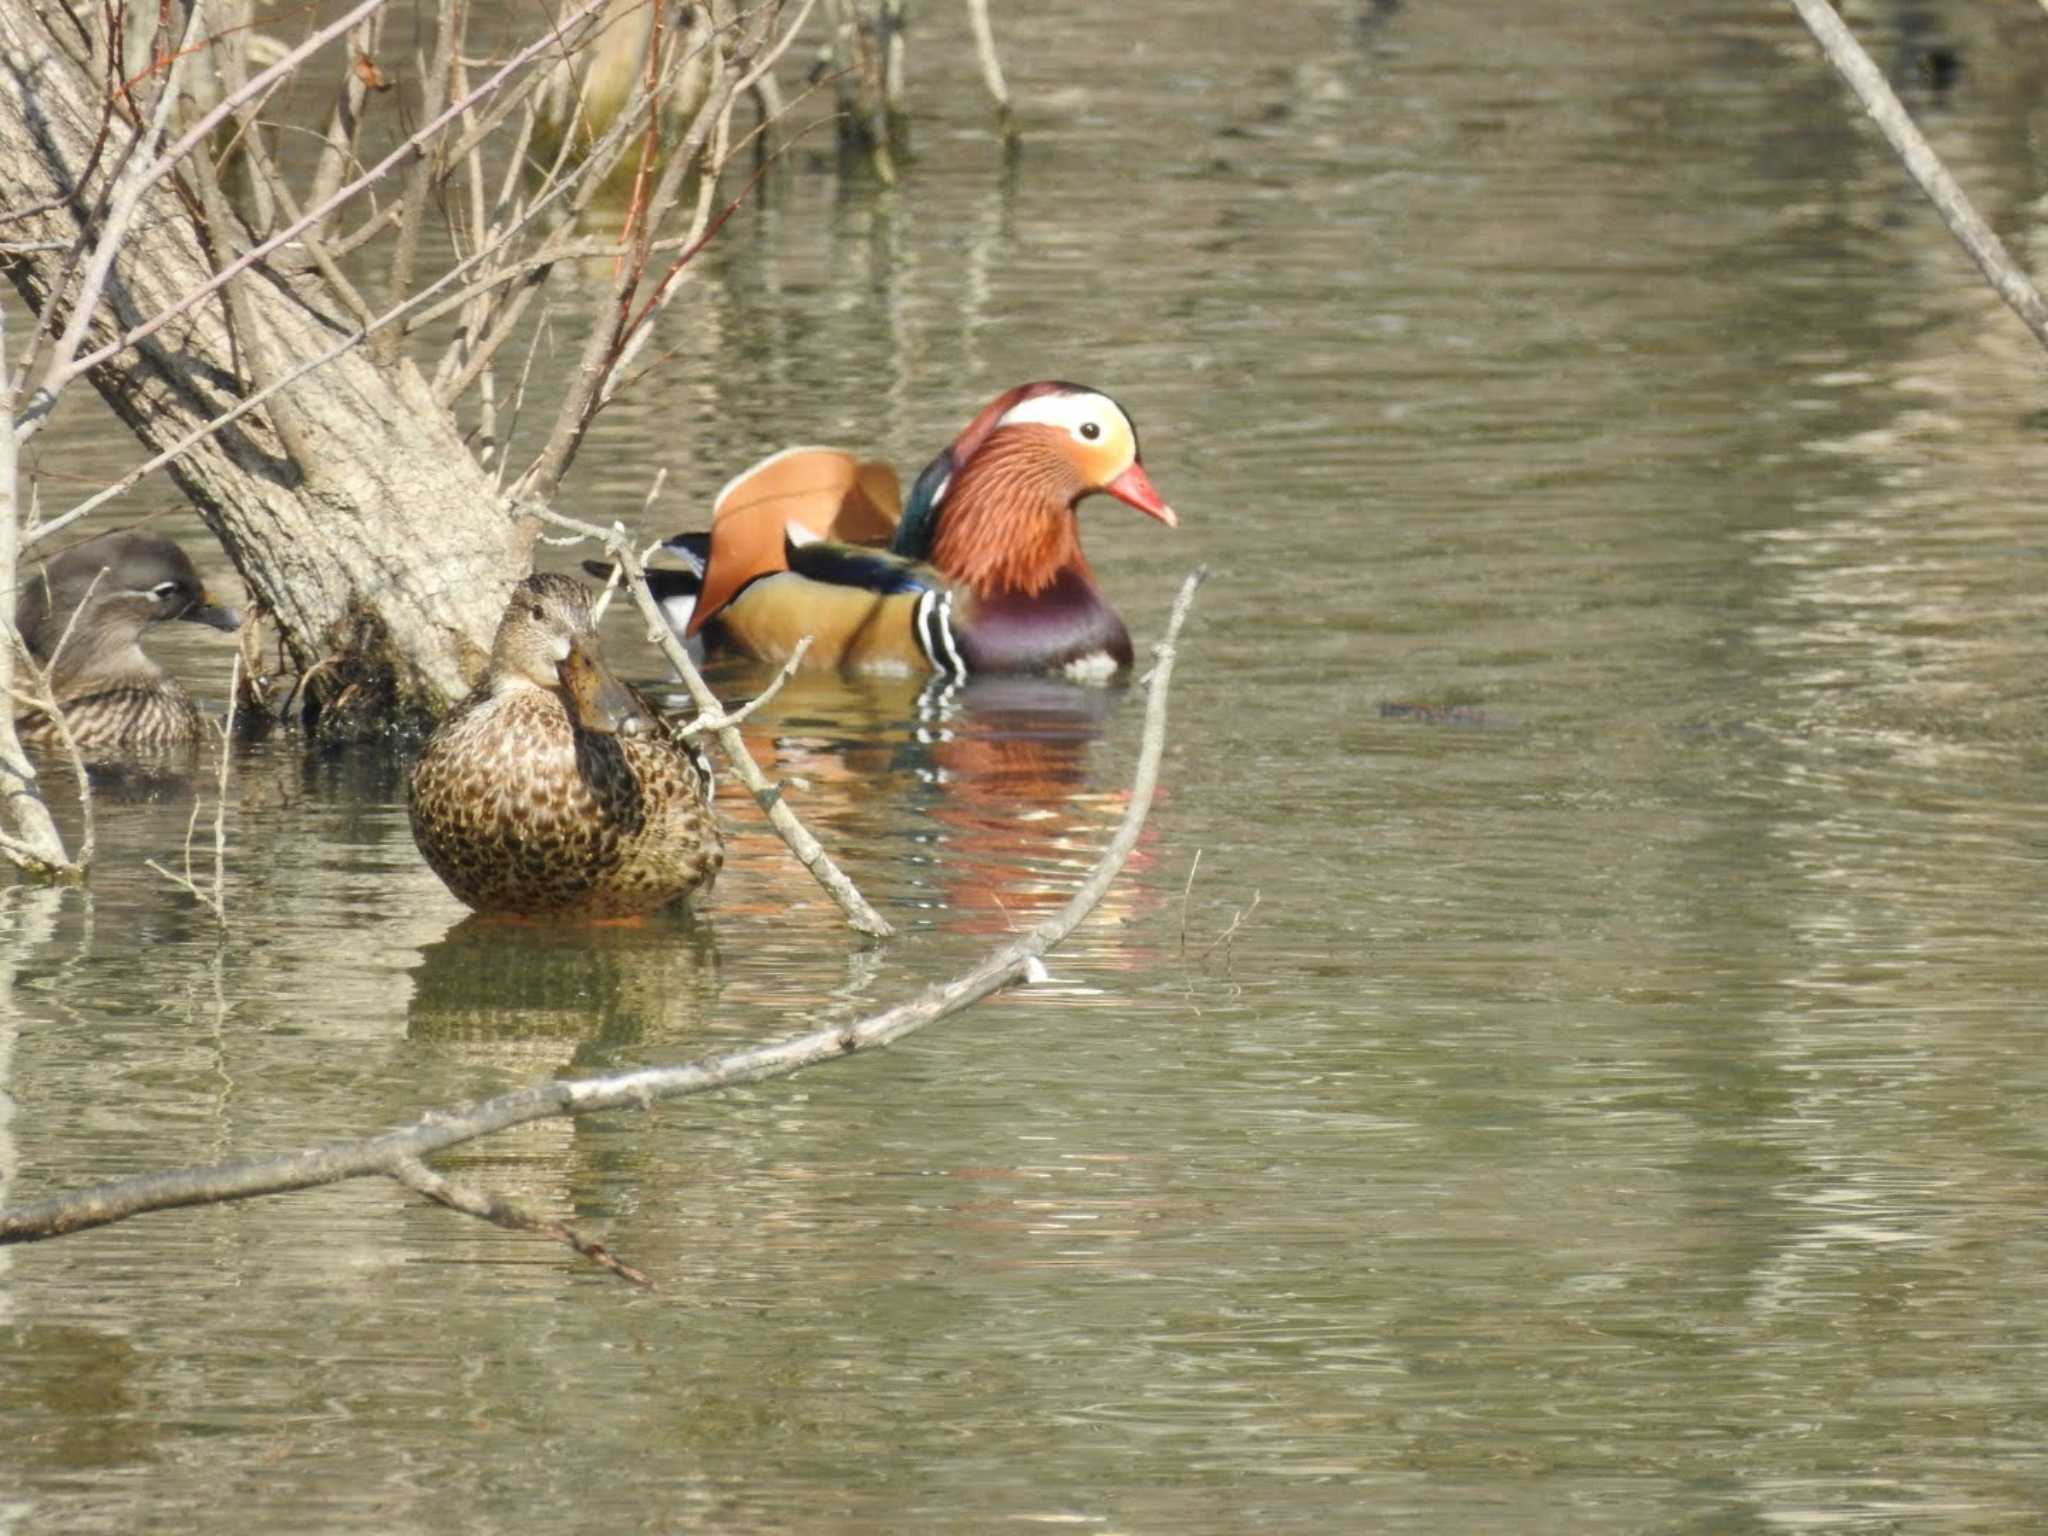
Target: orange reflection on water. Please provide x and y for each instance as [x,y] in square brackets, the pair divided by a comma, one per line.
[981,801]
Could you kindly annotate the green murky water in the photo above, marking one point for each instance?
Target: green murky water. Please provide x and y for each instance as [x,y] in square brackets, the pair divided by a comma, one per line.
[1613,728]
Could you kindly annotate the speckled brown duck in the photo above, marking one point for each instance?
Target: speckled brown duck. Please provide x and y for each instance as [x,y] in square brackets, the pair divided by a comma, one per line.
[554,790]
[88,609]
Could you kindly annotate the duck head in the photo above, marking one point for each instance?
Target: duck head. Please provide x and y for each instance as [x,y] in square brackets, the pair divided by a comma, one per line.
[547,640]
[96,598]
[995,510]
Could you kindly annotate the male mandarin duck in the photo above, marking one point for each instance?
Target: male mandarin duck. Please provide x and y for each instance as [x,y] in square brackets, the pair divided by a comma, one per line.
[982,572]
[555,790]
[83,616]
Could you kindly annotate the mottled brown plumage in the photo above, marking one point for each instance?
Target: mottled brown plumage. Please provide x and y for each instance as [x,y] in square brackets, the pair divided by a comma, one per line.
[83,617]
[553,789]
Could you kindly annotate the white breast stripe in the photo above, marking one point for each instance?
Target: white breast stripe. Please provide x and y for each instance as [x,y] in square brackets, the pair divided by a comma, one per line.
[934,630]
[952,663]
[921,624]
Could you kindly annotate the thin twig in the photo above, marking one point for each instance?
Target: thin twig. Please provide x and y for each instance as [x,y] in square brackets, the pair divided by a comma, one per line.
[606,354]
[319,210]
[405,251]
[388,1154]
[32,840]
[1237,921]
[215,901]
[35,846]
[724,719]
[134,178]
[320,360]
[43,701]
[617,573]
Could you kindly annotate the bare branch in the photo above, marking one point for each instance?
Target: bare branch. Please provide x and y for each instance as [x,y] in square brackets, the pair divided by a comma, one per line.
[725,719]
[251,339]
[602,348]
[315,214]
[32,840]
[319,360]
[345,123]
[406,252]
[1925,167]
[135,178]
[395,1154]
[338,284]
[606,353]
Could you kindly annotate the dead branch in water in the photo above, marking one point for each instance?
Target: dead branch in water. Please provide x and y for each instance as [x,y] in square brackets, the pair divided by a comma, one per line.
[396,1154]
[1924,166]
[992,77]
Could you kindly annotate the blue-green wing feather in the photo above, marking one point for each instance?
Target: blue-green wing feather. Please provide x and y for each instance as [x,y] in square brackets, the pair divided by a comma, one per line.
[879,571]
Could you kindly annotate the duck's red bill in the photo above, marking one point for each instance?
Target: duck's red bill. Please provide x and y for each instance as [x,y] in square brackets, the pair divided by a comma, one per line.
[1134,489]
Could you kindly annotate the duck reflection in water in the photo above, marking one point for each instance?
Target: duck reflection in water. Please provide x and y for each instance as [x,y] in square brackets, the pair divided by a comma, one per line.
[535,1000]
[978,800]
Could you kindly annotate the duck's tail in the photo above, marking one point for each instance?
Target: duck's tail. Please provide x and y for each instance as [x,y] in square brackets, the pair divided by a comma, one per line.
[801,494]
[675,587]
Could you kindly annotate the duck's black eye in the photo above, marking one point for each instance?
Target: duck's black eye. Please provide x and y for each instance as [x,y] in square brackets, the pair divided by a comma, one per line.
[1091,430]
[164,591]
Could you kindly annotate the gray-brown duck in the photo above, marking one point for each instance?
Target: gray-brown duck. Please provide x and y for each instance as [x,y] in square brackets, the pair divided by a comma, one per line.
[554,789]
[88,609]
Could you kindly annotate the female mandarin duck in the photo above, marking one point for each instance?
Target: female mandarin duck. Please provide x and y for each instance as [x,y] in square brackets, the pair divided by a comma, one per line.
[983,573]
[83,617]
[554,789]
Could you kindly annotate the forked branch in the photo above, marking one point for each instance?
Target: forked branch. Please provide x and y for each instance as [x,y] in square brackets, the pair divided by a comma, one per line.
[711,716]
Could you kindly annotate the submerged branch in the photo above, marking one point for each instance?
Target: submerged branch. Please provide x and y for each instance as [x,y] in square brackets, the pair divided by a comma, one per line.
[396,1154]
[500,1212]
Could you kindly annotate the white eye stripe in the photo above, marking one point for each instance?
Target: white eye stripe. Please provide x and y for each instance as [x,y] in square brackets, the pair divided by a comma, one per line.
[1075,414]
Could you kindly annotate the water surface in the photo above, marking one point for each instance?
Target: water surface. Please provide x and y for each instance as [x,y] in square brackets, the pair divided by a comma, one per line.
[1564,1055]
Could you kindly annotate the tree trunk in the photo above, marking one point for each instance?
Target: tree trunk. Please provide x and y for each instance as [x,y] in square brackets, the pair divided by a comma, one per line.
[362,524]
